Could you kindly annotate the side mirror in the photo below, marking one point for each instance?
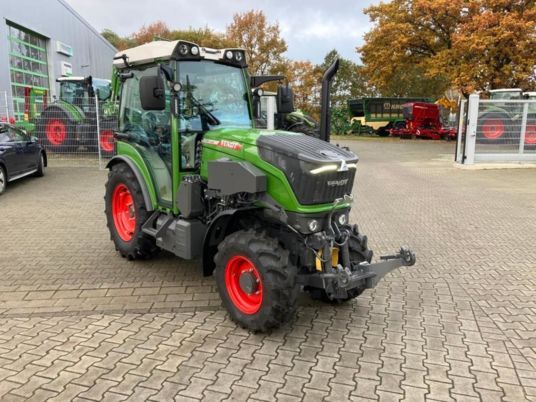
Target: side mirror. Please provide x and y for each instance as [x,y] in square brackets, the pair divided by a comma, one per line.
[152,93]
[285,99]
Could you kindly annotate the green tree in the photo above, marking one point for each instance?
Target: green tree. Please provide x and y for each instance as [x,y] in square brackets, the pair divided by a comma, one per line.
[348,83]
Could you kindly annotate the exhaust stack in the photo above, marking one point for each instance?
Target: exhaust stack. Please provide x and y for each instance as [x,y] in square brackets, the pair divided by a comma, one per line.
[325,112]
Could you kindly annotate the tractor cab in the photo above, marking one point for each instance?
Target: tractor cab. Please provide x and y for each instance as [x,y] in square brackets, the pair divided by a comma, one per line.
[80,91]
[506,94]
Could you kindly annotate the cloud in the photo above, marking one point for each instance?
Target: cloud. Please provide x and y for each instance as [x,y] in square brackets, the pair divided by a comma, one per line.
[311,28]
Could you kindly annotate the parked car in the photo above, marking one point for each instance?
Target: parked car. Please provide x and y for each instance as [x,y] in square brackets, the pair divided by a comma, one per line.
[20,155]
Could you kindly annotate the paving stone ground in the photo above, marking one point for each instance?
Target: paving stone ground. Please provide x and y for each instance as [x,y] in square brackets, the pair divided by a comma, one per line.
[77,322]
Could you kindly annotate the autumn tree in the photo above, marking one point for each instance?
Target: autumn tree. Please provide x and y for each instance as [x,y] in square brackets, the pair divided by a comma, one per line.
[262,41]
[160,31]
[305,81]
[423,47]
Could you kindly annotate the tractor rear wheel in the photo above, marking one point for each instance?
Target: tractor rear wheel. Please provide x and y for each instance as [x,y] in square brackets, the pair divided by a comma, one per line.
[494,128]
[126,213]
[106,141]
[56,131]
[255,279]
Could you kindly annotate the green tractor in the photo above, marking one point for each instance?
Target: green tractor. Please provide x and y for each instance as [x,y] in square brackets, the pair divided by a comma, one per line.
[72,120]
[266,211]
[500,122]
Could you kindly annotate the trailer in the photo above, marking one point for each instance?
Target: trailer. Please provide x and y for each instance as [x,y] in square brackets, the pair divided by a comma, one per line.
[378,115]
[422,120]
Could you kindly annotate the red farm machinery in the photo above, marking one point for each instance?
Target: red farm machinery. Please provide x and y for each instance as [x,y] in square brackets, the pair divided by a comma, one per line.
[422,120]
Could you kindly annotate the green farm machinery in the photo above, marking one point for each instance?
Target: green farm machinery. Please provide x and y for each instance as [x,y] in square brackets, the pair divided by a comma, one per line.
[266,211]
[73,120]
[378,115]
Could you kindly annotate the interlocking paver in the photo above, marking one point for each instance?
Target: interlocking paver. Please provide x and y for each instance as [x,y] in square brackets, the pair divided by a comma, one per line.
[77,321]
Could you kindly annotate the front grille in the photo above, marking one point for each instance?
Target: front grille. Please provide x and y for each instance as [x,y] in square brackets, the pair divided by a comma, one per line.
[316,189]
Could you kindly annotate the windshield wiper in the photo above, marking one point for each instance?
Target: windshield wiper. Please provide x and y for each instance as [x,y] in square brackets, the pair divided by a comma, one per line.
[212,120]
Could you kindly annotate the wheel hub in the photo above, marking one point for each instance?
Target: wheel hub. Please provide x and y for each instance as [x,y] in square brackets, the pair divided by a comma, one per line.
[248,282]
[244,284]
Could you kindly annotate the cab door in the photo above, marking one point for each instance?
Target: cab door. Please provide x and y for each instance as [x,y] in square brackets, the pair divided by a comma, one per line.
[149,133]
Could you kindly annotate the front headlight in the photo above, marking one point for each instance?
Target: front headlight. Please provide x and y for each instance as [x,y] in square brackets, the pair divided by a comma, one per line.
[313,225]
[342,219]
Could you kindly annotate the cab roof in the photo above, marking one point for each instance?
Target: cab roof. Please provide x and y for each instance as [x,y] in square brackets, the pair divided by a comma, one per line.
[165,50]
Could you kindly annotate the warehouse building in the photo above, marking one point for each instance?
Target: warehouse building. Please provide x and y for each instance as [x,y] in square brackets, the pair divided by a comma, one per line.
[41,41]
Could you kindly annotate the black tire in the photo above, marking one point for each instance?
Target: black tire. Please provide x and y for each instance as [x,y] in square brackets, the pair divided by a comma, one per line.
[41,166]
[383,132]
[3,180]
[277,278]
[359,252]
[140,245]
[305,129]
[56,118]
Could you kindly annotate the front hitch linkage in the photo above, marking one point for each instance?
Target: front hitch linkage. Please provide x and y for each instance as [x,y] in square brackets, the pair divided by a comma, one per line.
[405,257]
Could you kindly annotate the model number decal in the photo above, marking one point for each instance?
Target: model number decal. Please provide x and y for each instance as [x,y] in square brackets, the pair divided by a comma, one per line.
[235,146]
[333,183]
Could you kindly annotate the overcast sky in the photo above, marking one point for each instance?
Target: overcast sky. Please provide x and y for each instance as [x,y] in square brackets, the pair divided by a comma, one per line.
[310,27]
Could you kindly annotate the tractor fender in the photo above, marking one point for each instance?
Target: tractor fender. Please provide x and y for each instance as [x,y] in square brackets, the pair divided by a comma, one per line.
[55,108]
[218,229]
[144,190]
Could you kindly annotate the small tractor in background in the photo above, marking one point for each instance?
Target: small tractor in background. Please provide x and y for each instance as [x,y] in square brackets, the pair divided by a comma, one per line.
[422,121]
[71,121]
[500,122]
[266,211]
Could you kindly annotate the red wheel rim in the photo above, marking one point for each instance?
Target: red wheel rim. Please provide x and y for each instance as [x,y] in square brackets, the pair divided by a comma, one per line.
[247,303]
[107,140]
[123,212]
[493,128]
[56,131]
[530,134]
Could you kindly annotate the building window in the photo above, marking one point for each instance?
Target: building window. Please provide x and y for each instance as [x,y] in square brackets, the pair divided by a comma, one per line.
[28,64]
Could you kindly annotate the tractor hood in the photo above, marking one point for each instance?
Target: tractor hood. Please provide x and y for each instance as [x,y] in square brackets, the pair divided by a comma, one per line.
[319,172]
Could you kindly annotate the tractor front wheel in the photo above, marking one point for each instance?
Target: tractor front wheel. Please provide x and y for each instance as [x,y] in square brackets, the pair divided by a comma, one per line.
[126,213]
[255,279]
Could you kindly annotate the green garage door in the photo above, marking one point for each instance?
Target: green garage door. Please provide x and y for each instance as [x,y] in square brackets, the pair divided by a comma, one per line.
[28,64]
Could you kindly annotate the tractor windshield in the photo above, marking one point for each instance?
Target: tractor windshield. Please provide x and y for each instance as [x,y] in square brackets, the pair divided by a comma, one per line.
[212,95]
[74,92]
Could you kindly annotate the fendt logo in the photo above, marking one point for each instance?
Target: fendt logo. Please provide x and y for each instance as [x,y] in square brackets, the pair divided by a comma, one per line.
[335,183]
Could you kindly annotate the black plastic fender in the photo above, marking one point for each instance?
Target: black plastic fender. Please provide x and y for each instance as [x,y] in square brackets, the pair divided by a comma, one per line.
[218,229]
